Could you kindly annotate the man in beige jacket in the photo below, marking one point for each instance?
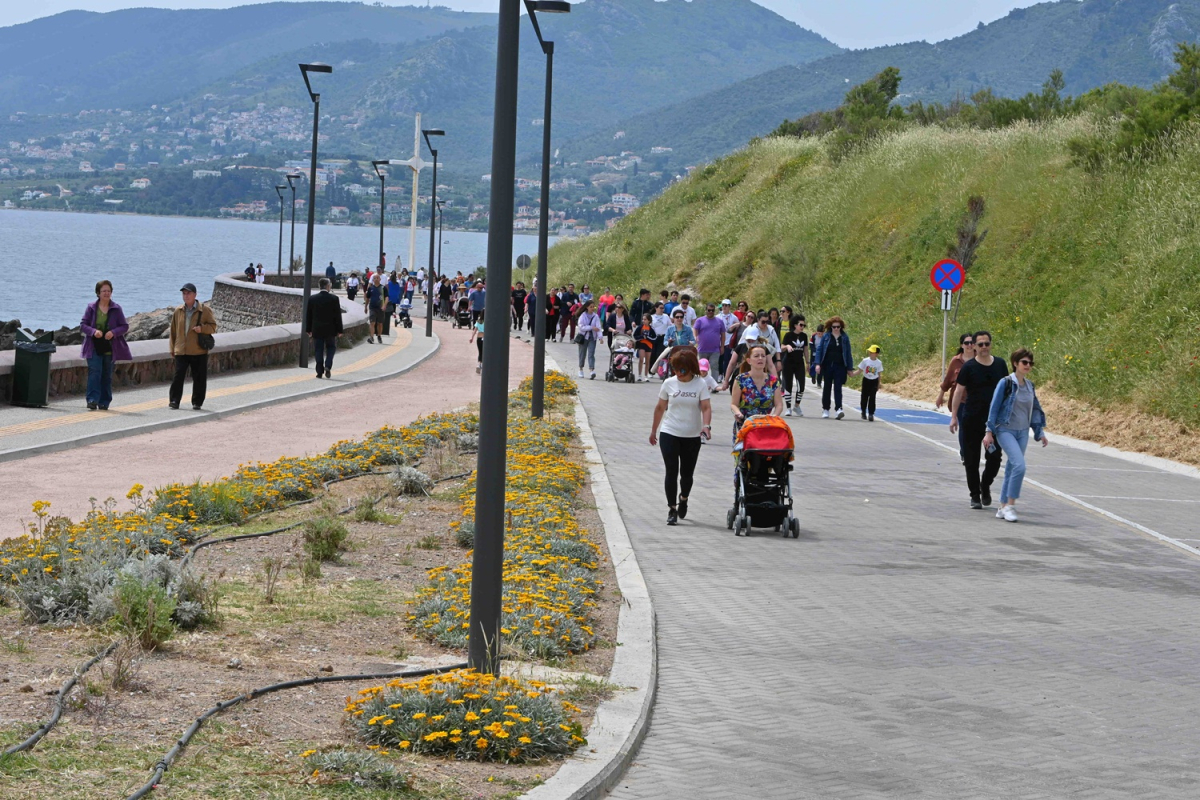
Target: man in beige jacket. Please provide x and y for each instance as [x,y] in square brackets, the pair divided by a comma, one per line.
[187,323]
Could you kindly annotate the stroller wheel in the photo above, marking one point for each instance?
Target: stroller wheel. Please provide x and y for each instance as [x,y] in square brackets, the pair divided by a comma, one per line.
[795,526]
[729,515]
[608,376]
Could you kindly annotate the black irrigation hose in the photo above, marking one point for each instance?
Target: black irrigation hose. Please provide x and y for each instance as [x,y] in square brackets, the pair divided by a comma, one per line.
[58,701]
[165,762]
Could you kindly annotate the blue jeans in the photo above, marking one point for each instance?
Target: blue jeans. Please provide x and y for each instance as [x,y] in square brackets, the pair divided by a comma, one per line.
[99,380]
[323,350]
[587,351]
[1013,443]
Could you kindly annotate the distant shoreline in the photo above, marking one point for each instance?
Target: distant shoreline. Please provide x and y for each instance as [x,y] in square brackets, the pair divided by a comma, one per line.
[238,219]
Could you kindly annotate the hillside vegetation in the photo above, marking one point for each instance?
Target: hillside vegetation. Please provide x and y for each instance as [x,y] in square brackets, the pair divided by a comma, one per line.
[1095,270]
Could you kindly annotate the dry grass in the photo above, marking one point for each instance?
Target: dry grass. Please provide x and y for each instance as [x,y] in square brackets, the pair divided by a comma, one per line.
[1121,427]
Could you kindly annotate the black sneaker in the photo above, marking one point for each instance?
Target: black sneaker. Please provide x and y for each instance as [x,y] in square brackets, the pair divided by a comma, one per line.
[985,494]
[683,508]
[975,504]
[864,413]
[173,405]
[93,406]
[870,417]
[672,517]
[195,407]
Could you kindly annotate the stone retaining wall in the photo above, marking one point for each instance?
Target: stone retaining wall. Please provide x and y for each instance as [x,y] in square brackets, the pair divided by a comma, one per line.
[239,304]
[236,350]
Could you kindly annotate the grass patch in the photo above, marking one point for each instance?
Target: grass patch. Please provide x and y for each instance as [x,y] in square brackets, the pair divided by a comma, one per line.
[75,764]
[295,602]
[586,690]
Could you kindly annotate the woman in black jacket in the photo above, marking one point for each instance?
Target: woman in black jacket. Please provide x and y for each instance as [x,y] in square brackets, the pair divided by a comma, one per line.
[617,321]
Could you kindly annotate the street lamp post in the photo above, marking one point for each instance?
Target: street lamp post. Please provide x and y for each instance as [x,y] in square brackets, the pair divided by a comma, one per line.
[382,202]
[537,404]
[312,202]
[441,221]
[432,229]
[279,191]
[487,583]
[292,247]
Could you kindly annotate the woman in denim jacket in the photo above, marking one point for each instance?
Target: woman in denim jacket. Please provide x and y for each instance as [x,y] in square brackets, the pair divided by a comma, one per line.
[1014,412]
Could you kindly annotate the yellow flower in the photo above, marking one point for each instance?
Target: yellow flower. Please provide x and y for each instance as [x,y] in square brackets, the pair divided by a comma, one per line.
[481,743]
[307,753]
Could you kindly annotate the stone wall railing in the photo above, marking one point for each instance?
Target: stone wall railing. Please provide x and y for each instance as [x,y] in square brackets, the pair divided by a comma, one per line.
[235,351]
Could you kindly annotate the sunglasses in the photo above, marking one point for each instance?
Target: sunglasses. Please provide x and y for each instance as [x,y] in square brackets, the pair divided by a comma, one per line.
[801,325]
[983,344]
[1026,362]
[967,343]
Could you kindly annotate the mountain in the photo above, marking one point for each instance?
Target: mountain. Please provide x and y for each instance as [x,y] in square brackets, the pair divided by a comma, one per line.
[1093,42]
[613,58]
[84,60]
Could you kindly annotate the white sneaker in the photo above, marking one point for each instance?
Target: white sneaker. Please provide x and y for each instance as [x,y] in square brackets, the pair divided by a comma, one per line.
[1010,513]
[593,375]
[787,411]
[799,412]
[1000,512]
[840,413]
[581,373]
[825,414]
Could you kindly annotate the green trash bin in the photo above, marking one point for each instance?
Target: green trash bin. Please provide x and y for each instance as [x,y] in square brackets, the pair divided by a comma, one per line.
[31,369]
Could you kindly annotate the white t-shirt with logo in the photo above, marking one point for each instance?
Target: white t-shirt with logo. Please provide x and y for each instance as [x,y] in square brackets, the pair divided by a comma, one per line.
[682,417]
[871,368]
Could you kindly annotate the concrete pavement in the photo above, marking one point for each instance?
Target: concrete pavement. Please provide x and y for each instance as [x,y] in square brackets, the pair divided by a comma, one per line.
[909,646]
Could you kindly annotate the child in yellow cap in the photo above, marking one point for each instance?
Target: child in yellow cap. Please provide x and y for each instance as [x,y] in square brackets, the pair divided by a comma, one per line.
[871,368]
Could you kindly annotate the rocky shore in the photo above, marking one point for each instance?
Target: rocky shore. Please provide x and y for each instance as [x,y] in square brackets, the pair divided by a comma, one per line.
[146,325]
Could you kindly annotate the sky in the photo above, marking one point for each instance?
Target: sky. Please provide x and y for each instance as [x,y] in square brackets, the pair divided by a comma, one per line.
[849,23]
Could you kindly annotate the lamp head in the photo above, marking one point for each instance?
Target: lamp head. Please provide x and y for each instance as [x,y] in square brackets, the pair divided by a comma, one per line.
[377,164]
[291,177]
[315,66]
[551,6]
[427,132]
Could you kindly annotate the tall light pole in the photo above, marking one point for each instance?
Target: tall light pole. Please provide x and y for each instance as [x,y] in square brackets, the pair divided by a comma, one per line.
[292,248]
[537,404]
[279,191]
[441,219]
[382,202]
[312,202]
[432,228]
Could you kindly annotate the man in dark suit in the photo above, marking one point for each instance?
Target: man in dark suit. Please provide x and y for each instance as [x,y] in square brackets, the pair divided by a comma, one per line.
[323,325]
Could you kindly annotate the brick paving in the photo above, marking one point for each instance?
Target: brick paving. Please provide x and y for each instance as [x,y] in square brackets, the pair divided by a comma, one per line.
[905,647]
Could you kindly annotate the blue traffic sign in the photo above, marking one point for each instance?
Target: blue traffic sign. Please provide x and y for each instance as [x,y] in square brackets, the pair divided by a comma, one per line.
[947,275]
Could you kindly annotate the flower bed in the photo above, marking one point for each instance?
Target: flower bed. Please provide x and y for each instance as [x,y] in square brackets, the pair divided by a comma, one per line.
[549,565]
[467,715]
[61,570]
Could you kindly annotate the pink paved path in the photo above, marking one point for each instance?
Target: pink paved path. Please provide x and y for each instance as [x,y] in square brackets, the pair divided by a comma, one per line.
[215,448]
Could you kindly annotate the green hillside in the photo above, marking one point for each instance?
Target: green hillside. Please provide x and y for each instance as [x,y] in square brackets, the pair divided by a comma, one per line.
[1092,42]
[1098,273]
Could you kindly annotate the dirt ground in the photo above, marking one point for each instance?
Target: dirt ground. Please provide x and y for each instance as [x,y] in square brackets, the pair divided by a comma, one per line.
[350,620]
[1118,427]
[215,448]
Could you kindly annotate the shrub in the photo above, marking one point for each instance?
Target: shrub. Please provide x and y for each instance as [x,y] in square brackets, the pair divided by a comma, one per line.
[143,611]
[365,511]
[467,715]
[324,538]
[467,441]
[362,769]
[464,534]
[410,480]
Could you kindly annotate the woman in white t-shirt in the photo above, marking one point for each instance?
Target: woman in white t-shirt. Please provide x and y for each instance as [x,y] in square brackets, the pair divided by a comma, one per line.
[683,415]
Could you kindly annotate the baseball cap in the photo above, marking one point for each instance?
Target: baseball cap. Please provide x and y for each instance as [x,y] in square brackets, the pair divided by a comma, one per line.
[726,302]
[188,287]
[873,348]
[704,363]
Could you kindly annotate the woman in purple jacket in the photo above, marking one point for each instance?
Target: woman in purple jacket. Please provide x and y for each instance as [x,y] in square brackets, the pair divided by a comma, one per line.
[104,330]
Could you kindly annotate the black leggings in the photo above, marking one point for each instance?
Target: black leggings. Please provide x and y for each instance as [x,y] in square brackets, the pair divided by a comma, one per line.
[479,346]
[679,454]
[793,375]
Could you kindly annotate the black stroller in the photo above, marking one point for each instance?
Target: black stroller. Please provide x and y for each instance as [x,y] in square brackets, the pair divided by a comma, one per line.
[402,314]
[462,314]
[763,492]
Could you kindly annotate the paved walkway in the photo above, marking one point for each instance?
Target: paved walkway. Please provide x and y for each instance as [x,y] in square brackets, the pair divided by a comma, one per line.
[909,646]
[65,455]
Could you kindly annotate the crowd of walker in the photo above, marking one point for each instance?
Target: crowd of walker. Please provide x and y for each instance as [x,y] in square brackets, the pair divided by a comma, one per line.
[763,358]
